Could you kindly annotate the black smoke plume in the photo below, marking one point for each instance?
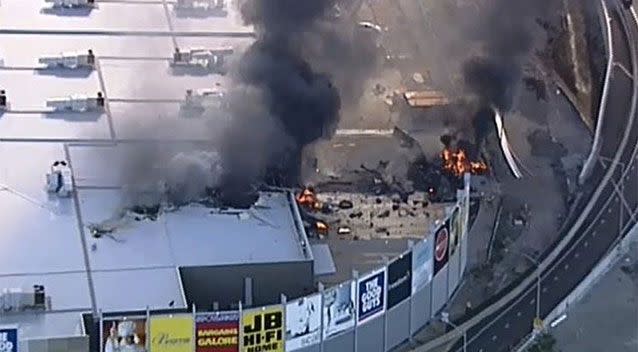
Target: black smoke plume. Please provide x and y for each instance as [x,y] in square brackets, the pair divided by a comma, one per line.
[506,30]
[303,101]
[287,91]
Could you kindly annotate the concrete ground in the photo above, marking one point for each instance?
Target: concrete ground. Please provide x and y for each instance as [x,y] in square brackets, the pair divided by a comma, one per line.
[550,140]
[606,319]
[546,134]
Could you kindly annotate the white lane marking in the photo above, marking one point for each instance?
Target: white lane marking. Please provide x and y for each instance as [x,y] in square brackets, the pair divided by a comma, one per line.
[558,320]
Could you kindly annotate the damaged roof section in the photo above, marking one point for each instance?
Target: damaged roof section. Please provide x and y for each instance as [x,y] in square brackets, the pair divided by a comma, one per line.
[194,234]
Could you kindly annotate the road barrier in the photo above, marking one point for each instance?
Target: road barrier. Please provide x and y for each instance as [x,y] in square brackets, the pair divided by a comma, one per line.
[593,155]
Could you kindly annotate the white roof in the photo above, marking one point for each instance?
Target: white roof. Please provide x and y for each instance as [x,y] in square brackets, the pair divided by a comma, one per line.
[43,239]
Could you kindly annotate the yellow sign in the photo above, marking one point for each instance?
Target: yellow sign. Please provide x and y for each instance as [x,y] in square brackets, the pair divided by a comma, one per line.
[538,324]
[172,334]
[263,330]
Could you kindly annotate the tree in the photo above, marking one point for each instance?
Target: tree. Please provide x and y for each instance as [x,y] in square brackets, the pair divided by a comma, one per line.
[544,343]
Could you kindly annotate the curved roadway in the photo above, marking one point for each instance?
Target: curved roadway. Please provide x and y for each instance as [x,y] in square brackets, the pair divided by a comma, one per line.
[613,212]
[609,217]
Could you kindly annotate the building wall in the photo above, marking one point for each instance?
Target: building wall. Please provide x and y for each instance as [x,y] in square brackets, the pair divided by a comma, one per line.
[225,284]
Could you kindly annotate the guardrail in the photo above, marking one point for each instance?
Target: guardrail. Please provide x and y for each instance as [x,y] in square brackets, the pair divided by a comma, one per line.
[593,155]
[554,254]
[505,145]
[618,247]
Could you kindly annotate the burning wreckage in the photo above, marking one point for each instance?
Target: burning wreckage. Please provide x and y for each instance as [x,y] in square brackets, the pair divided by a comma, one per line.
[373,203]
[356,215]
[460,158]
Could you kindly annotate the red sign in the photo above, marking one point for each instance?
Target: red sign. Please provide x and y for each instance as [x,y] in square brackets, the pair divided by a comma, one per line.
[441,241]
[217,332]
[441,244]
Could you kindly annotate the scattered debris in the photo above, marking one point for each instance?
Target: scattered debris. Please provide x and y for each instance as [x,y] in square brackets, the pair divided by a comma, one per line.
[140,212]
[346,204]
[418,78]
[98,231]
[308,199]
[322,227]
[378,89]
[425,99]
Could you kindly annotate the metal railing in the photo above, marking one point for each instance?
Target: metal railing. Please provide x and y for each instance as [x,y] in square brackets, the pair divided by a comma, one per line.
[593,155]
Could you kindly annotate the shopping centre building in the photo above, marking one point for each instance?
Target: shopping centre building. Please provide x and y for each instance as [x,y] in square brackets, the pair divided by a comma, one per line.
[78,273]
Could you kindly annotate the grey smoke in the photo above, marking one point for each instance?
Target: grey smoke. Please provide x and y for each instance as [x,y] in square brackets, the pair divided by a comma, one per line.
[506,30]
[287,92]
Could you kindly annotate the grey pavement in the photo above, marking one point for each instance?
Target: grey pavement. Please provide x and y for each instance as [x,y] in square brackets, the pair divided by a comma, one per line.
[546,199]
[550,141]
[544,191]
[606,319]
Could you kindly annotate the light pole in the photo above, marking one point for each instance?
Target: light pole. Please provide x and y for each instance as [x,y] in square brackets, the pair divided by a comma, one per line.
[445,317]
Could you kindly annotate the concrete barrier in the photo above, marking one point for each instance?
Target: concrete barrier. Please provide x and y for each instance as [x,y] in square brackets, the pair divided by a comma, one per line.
[593,155]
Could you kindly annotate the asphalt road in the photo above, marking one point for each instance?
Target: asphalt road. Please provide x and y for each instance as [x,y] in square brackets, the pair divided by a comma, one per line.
[597,234]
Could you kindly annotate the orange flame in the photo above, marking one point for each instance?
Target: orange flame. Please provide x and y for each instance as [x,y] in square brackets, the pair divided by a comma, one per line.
[308,199]
[457,163]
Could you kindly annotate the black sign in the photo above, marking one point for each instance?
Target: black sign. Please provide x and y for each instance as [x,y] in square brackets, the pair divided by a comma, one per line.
[399,280]
[9,339]
[441,242]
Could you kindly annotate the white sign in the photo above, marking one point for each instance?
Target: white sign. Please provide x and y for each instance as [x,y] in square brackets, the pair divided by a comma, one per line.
[303,322]
[339,308]
[422,264]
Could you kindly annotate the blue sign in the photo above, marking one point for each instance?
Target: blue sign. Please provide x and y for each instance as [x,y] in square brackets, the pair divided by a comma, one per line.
[371,293]
[8,339]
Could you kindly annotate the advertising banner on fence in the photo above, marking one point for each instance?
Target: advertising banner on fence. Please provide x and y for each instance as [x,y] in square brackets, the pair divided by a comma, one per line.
[9,338]
[263,329]
[441,243]
[339,308]
[217,332]
[464,205]
[125,335]
[455,229]
[371,294]
[172,333]
[422,261]
[303,322]
[399,280]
